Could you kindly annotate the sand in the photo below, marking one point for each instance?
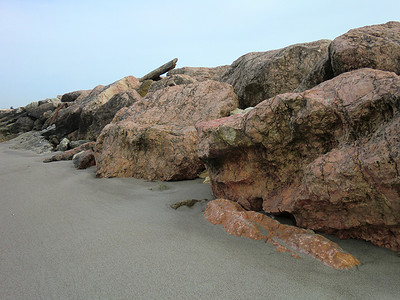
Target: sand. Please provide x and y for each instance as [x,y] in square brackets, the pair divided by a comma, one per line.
[65,234]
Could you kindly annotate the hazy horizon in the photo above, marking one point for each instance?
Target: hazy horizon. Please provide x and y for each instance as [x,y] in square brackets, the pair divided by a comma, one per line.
[53,47]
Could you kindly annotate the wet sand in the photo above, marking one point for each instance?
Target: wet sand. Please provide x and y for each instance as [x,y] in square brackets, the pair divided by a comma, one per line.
[65,234]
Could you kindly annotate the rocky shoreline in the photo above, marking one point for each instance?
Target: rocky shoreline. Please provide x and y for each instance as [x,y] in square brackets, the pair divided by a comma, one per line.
[310,131]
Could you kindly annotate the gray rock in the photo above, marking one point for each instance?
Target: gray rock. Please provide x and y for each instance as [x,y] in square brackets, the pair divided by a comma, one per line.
[258,76]
[74,144]
[32,141]
[64,145]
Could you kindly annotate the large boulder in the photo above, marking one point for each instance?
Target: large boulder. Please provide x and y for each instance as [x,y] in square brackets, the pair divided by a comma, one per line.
[78,118]
[328,156]
[258,76]
[376,47]
[155,138]
[105,113]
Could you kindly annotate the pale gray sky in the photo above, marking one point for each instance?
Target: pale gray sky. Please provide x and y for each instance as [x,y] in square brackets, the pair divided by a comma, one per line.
[50,47]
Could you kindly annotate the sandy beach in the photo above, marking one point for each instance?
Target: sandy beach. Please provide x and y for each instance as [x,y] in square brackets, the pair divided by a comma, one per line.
[65,234]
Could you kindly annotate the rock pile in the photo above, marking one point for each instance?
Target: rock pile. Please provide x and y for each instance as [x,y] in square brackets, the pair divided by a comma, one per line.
[311,130]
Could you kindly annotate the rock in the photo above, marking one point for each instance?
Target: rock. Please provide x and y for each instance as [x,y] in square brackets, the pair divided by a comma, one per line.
[188,203]
[285,238]
[22,124]
[38,111]
[84,159]
[376,47]
[144,87]
[64,145]
[105,113]
[99,97]
[32,141]
[9,127]
[260,75]
[76,95]
[74,144]
[321,72]
[78,118]
[155,138]
[171,81]
[200,73]
[329,156]
[68,155]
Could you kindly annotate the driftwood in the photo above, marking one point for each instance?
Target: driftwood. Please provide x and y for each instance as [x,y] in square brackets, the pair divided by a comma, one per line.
[155,74]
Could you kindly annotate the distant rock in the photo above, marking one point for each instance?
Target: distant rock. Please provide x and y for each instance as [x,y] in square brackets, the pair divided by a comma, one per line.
[172,80]
[329,156]
[258,76]
[75,95]
[155,138]
[285,238]
[200,73]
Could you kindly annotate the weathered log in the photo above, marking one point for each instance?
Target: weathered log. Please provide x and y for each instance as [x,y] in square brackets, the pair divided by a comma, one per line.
[155,74]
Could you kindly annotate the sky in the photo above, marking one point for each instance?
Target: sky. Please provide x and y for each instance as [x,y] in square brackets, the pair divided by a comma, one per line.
[51,47]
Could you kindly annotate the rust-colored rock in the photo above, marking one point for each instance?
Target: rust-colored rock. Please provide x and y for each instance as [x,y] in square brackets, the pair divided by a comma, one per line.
[376,47]
[155,138]
[329,156]
[84,159]
[285,238]
[258,76]
[69,154]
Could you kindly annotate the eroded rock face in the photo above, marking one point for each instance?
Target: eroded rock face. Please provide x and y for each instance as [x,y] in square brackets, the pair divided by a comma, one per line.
[258,76]
[328,156]
[285,238]
[155,138]
[376,47]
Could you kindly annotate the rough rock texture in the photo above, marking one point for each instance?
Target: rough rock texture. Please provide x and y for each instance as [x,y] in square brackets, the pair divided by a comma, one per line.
[200,73]
[32,141]
[155,138]
[376,47]
[25,119]
[258,76]
[173,80]
[320,72]
[84,159]
[106,112]
[80,115]
[285,238]
[328,156]
[68,155]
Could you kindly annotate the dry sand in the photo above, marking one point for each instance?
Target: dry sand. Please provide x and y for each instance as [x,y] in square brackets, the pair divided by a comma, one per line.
[66,235]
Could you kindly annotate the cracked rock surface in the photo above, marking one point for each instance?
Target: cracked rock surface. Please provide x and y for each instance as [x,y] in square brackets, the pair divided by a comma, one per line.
[328,156]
